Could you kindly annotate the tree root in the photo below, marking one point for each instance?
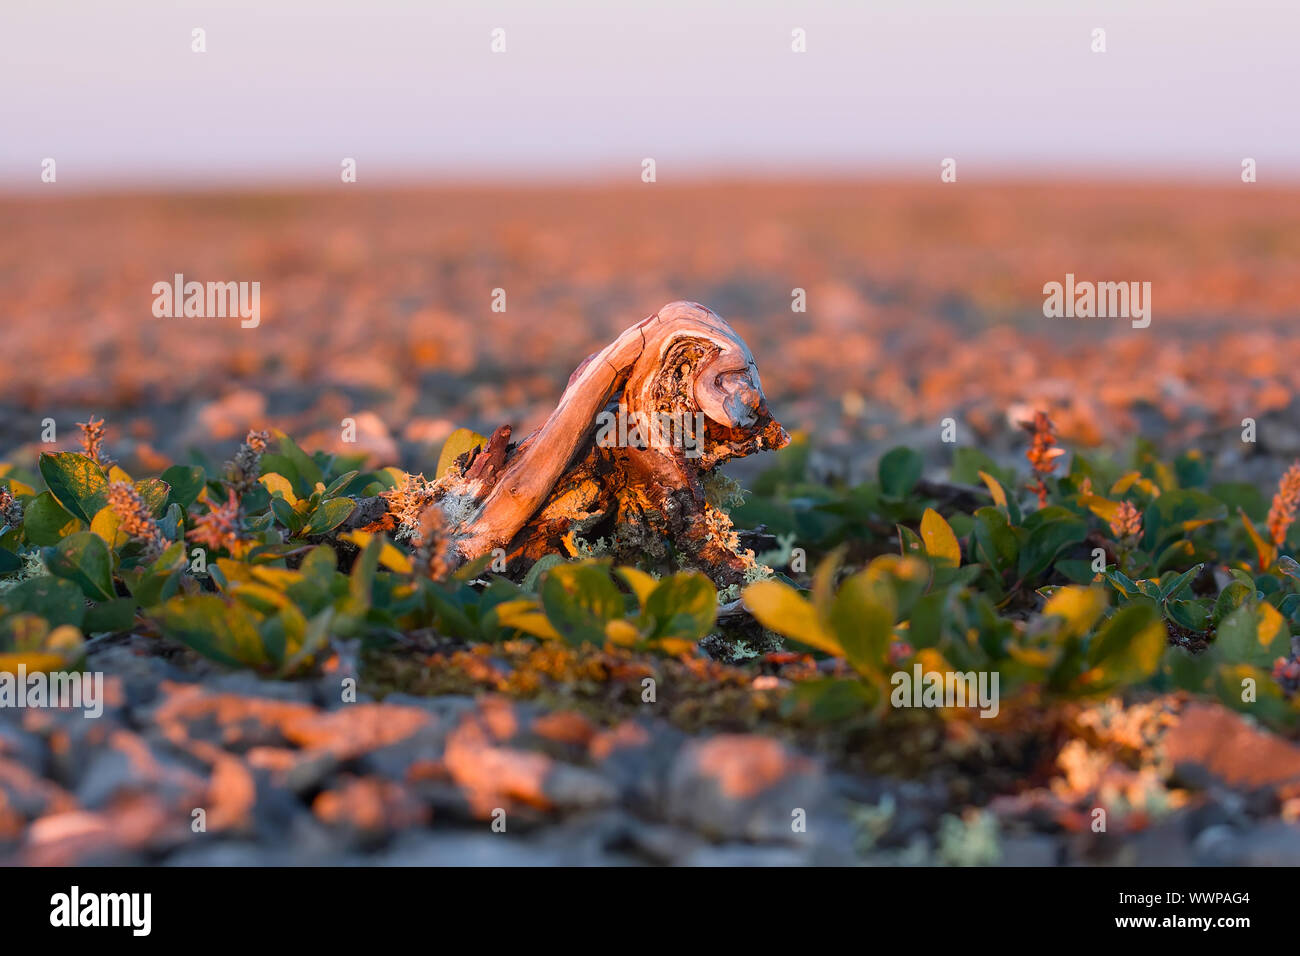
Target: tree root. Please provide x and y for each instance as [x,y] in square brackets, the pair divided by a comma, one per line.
[625,459]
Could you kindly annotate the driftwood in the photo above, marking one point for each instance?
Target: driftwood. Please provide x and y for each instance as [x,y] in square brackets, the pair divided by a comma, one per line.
[624,465]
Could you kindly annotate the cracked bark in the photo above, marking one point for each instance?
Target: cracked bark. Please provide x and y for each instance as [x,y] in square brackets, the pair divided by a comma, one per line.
[560,484]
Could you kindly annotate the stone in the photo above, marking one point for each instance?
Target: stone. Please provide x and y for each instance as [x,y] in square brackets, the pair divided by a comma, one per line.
[1211,743]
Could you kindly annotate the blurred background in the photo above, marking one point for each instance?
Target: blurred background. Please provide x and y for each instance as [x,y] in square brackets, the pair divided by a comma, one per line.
[521,169]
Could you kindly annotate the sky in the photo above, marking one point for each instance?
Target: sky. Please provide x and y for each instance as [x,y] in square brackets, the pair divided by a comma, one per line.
[286,89]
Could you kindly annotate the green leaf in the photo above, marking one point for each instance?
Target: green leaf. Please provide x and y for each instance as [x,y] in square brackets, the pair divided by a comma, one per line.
[315,639]
[926,623]
[305,469]
[1192,469]
[78,484]
[1121,583]
[1048,540]
[84,559]
[1252,635]
[833,699]
[910,543]
[46,521]
[995,538]
[286,515]
[152,584]
[112,617]
[1179,551]
[170,523]
[9,562]
[1242,496]
[1191,615]
[1186,670]
[457,443]
[1128,649]
[863,620]
[331,513]
[274,463]
[337,485]
[154,493]
[184,483]
[361,583]
[1179,582]
[899,470]
[968,463]
[683,606]
[1177,513]
[223,631]
[56,599]
[579,599]
[540,567]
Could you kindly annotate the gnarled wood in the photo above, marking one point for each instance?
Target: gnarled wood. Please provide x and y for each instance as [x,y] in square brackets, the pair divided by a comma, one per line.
[562,485]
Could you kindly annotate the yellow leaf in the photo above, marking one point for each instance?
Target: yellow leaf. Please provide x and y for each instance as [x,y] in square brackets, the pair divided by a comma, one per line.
[675,646]
[940,543]
[823,582]
[622,633]
[778,607]
[117,474]
[524,615]
[1269,624]
[390,556]
[106,524]
[1263,548]
[276,482]
[457,443]
[931,661]
[1103,508]
[32,662]
[65,639]
[20,489]
[1079,607]
[1036,657]
[276,577]
[640,583]
[261,597]
[995,489]
[1134,479]
[235,571]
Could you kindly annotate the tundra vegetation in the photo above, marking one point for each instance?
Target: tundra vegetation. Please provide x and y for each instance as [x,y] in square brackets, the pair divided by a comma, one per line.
[1104,578]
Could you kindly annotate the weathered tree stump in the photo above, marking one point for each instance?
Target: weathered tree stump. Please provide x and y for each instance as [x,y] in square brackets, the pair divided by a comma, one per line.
[624,465]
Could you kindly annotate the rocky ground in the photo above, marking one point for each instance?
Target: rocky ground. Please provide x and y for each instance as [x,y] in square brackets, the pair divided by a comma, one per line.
[923,303]
[567,766]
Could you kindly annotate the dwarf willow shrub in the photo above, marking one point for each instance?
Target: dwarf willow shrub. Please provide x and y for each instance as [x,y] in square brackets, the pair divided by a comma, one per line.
[1146,575]
[258,569]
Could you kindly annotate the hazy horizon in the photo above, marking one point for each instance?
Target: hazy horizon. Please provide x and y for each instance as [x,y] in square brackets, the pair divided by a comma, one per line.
[414,93]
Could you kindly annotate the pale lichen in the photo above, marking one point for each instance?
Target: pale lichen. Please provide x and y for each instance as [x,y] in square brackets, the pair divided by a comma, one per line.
[723,492]
[33,567]
[969,840]
[407,502]
[582,548]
